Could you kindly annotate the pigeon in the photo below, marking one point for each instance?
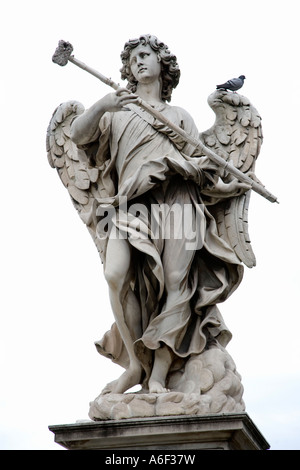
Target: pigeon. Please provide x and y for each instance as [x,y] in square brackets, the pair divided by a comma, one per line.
[233,84]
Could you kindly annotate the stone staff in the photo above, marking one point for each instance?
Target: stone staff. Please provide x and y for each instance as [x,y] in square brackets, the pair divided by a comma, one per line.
[63,55]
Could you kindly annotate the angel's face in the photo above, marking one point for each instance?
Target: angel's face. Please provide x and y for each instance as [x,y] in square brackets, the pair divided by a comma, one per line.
[145,64]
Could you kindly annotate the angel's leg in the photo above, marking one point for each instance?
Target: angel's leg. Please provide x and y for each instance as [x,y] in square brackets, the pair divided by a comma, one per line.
[117,267]
[162,361]
[176,262]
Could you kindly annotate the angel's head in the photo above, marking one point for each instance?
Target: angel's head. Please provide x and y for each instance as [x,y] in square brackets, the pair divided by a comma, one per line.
[169,69]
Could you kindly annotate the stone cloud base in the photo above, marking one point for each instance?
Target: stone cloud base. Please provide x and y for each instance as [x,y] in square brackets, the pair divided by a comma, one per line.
[141,405]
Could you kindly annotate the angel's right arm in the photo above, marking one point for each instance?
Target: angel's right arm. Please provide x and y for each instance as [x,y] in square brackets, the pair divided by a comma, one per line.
[85,128]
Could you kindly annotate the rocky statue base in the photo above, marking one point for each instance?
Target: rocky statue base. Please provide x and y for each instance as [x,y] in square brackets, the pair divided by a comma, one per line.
[232,431]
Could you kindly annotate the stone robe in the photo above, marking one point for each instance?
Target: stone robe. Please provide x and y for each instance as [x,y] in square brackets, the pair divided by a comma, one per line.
[146,165]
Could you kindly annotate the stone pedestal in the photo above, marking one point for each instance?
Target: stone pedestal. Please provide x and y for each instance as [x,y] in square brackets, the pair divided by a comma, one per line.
[234,431]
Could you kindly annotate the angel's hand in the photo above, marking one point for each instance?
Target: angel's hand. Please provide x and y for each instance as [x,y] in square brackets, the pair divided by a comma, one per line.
[118,101]
[226,190]
[85,128]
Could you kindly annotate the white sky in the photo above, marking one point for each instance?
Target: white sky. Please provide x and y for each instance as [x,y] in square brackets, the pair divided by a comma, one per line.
[54,300]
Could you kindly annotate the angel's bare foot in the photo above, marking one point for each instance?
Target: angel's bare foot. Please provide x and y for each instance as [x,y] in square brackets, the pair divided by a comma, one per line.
[129,378]
[109,387]
[157,387]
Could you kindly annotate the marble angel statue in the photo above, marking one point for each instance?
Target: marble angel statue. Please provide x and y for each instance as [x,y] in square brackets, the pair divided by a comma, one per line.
[170,226]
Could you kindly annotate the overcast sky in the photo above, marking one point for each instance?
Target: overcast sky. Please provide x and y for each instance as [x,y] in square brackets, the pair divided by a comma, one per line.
[54,300]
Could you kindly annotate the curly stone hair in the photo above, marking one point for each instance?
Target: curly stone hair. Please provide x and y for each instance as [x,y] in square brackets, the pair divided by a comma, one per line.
[170,72]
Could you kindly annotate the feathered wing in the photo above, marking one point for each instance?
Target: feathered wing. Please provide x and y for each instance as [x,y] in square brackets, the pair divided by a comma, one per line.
[237,137]
[72,164]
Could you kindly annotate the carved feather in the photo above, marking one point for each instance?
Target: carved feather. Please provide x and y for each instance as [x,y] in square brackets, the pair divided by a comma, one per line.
[72,165]
[236,136]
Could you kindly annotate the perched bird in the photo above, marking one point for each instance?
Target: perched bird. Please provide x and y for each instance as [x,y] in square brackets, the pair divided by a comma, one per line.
[233,84]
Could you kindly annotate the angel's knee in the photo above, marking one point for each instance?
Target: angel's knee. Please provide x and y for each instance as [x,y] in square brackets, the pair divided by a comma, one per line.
[117,265]
[115,275]
[172,280]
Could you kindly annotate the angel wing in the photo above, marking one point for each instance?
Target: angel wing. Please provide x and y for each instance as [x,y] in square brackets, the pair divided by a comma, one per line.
[79,177]
[237,137]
